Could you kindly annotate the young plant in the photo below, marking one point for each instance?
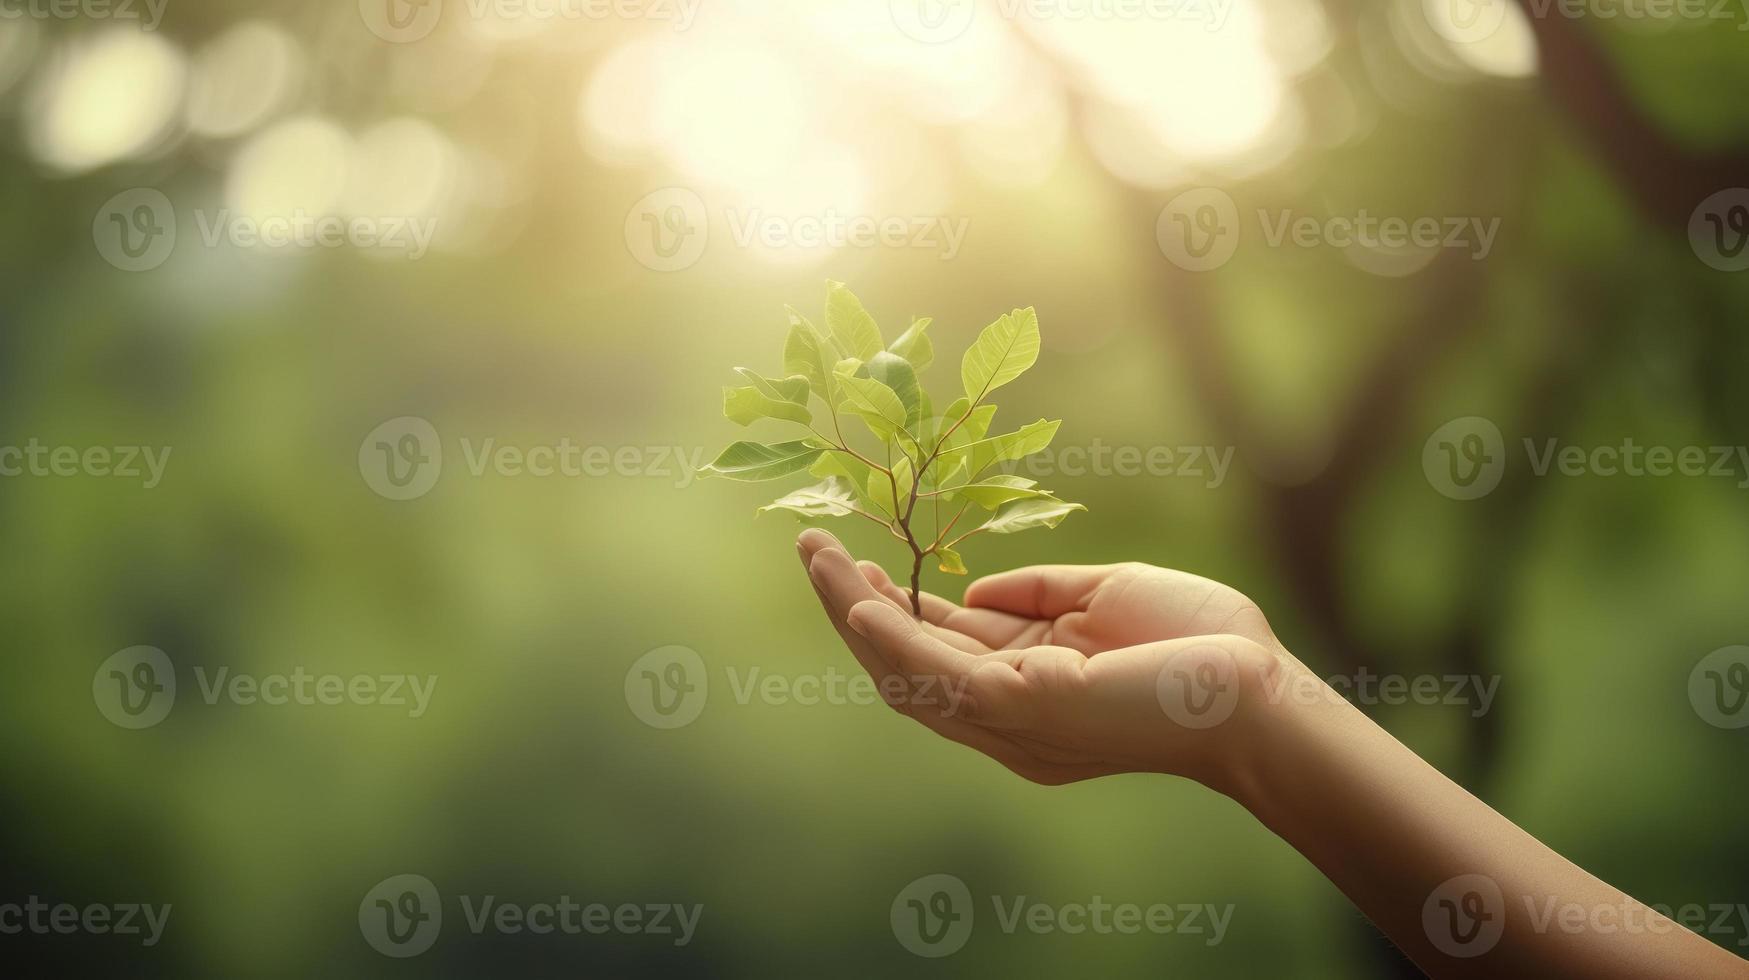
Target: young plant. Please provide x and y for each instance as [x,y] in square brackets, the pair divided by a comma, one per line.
[926,465]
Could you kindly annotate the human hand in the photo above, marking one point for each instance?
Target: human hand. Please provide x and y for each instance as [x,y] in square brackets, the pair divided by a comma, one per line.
[1063,673]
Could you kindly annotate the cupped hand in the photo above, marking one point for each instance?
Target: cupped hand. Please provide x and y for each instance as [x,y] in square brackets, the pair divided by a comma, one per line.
[1062,673]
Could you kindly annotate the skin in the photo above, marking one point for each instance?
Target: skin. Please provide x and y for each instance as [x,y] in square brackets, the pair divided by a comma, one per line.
[1074,672]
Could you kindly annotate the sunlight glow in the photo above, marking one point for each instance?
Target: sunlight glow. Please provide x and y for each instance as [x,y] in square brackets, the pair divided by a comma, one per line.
[297,167]
[104,99]
[241,77]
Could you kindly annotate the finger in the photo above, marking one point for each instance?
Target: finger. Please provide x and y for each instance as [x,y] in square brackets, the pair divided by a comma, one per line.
[984,690]
[1039,592]
[986,628]
[836,573]
[996,629]
[814,539]
[859,647]
[901,600]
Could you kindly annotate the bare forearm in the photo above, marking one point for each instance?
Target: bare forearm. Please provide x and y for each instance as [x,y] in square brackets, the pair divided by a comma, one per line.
[1458,887]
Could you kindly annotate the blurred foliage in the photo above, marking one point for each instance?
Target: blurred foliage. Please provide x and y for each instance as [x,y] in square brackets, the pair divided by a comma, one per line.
[529,778]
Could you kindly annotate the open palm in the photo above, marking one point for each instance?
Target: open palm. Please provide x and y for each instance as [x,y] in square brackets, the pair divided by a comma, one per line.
[1061,667]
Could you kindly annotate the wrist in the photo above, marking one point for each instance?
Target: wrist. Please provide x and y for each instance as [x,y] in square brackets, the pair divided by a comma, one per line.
[1275,730]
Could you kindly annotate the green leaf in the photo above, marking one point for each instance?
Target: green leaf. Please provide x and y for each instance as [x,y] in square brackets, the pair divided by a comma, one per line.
[1002,353]
[978,426]
[945,475]
[790,389]
[933,430]
[881,488]
[744,406]
[753,462]
[804,353]
[992,492]
[915,346]
[852,328]
[874,403]
[1022,515]
[842,464]
[1019,444]
[897,373]
[833,498]
[950,560]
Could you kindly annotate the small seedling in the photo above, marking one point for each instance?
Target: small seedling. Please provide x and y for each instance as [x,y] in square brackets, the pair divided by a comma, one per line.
[926,464]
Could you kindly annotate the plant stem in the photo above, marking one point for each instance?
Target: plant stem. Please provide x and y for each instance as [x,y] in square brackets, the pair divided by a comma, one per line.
[917,584]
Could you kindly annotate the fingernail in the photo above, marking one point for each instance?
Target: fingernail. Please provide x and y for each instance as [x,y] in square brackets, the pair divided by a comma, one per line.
[859,624]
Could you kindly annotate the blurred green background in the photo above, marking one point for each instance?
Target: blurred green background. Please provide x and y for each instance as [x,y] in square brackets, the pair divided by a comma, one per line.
[543,312]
